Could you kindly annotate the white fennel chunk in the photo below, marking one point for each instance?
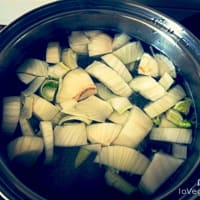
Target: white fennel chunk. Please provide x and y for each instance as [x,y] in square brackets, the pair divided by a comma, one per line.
[130,52]
[119,118]
[148,66]
[43,109]
[109,78]
[119,40]
[116,181]
[103,133]
[77,84]
[176,135]
[160,169]
[46,129]
[166,81]
[100,44]
[71,134]
[158,107]
[147,87]
[135,129]
[124,159]
[25,127]
[69,58]
[25,150]
[32,68]
[53,52]
[165,65]
[10,114]
[116,64]
[27,107]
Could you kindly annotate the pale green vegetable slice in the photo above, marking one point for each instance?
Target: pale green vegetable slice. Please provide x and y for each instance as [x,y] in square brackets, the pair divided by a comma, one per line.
[11,107]
[70,118]
[119,40]
[147,87]
[32,68]
[27,107]
[25,150]
[103,92]
[135,129]
[129,52]
[46,129]
[53,52]
[25,126]
[84,152]
[166,102]
[71,134]
[100,44]
[58,70]
[77,84]
[184,106]
[124,159]
[43,109]
[109,78]
[48,89]
[179,151]
[116,64]
[166,81]
[120,104]
[33,86]
[176,135]
[78,41]
[160,169]
[69,58]
[119,118]
[116,181]
[103,133]
[165,65]
[148,66]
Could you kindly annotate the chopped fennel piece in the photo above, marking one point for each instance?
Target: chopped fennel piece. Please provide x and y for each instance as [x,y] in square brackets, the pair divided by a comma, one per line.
[148,66]
[166,102]
[116,181]
[179,151]
[109,78]
[69,58]
[119,40]
[165,123]
[116,64]
[53,52]
[77,84]
[166,81]
[58,70]
[130,52]
[25,150]
[43,109]
[184,106]
[120,104]
[11,107]
[25,127]
[33,86]
[46,129]
[48,89]
[32,68]
[159,170]
[135,129]
[148,87]
[71,134]
[100,44]
[103,92]
[175,135]
[27,107]
[165,65]
[103,133]
[71,118]
[119,118]
[92,33]
[124,159]
[78,42]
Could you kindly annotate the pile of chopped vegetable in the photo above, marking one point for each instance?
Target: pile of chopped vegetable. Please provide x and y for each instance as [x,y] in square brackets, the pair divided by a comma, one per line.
[124,97]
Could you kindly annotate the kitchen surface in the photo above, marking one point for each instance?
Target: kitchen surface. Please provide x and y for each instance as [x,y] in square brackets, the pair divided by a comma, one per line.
[184,11]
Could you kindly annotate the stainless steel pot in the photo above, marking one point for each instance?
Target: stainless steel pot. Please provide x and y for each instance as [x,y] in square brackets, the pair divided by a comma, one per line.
[29,34]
